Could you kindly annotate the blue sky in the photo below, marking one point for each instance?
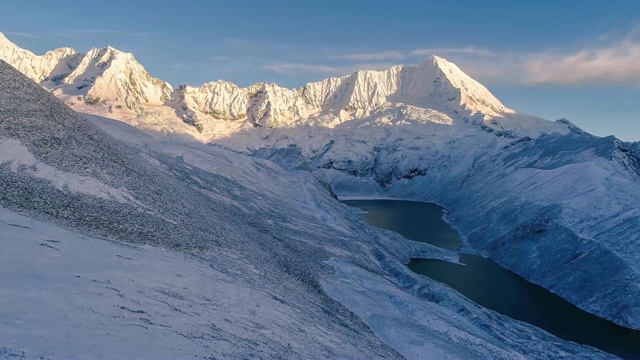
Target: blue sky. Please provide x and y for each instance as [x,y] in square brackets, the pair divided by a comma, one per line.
[574,59]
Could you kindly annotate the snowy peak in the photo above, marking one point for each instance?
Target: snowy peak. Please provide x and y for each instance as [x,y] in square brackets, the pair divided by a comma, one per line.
[260,104]
[62,62]
[474,96]
[106,79]
[25,61]
[103,75]
[362,90]
[47,69]
[435,84]
[115,78]
[4,41]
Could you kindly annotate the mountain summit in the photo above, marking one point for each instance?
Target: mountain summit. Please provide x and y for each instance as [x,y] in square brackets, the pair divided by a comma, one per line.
[116,78]
[46,69]
[4,40]
[435,84]
[106,75]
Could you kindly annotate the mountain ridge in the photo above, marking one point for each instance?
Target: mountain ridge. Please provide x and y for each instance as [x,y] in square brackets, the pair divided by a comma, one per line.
[115,80]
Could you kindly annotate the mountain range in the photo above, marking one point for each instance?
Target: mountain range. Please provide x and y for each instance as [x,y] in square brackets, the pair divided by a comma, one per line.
[116,83]
[542,198]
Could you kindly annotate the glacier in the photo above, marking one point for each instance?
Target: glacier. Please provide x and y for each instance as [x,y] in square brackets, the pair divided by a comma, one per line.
[544,199]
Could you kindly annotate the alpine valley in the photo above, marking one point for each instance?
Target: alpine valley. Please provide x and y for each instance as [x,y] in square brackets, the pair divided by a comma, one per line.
[142,220]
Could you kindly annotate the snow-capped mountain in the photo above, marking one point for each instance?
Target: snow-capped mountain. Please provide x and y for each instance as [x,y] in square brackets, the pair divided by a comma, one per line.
[115,78]
[113,81]
[544,199]
[106,77]
[196,251]
[436,84]
[48,69]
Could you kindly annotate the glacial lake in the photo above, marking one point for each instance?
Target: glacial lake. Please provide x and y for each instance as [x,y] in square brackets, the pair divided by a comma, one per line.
[492,286]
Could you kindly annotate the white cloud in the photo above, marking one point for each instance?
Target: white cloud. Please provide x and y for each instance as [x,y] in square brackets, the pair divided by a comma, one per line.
[25,35]
[610,59]
[379,56]
[614,62]
[111,32]
[301,68]
[618,63]
[472,50]
[306,69]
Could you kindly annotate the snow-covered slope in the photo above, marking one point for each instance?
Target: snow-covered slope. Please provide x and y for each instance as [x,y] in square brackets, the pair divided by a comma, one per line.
[559,209]
[205,201]
[246,258]
[424,132]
